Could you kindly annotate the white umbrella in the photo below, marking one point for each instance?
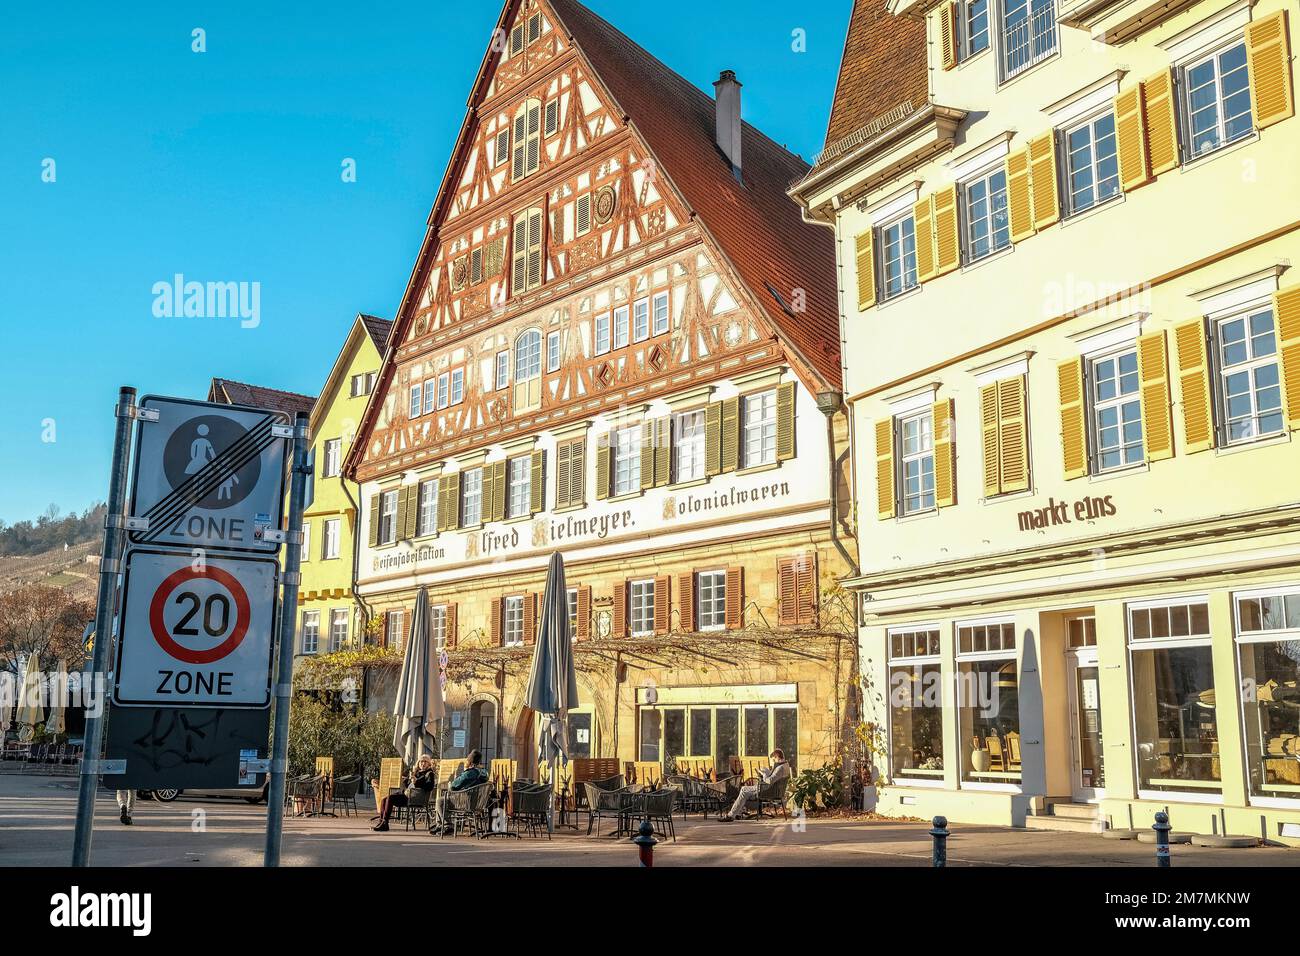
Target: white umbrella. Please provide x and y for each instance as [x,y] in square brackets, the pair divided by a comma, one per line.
[419,704]
[30,713]
[553,681]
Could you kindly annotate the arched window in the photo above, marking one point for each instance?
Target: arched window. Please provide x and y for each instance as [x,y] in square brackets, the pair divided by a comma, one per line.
[528,139]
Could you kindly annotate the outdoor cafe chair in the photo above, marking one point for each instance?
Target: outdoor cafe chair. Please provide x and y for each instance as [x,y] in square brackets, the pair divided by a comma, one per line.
[773,795]
[417,808]
[603,804]
[659,811]
[345,794]
[466,809]
[529,808]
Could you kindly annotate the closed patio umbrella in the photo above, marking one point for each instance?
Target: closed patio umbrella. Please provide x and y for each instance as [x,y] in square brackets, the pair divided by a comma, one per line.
[419,694]
[553,682]
[56,721]
[30,713]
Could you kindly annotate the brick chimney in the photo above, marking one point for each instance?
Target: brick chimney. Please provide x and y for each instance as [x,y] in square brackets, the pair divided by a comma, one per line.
[727,99]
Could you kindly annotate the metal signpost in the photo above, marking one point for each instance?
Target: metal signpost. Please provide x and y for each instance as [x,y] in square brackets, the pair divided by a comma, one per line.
[191,687]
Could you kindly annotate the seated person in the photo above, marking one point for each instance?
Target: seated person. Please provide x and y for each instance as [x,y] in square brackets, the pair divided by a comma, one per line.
[778,771]
[424,778]
[473,774]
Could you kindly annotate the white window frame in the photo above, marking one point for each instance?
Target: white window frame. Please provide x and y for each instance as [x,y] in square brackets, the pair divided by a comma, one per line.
[438,626]
[758,433]
[528,355]
[427,502]
[333,458]
[968,35]
[331,539]
[885,258]
[639,612]
[1251,366]
[1072,206]
[924,421]
[444,390]
[661,317]
[1097,405]
[519,486]
[621,329]
[711,600]
[311,632]
[416,403]
[338,636]
[457,386]
[689,445]
[395,628]
[973,656]
[388,516]
[553,352]
[1183,71]
[604,337]
[571,603]
[1244,638]
[306,540]
[625,466]
[985,178]
[928,778]
[503,370]
[430,395]
[468,518]
[512,621]
[641,320]
[1005,69]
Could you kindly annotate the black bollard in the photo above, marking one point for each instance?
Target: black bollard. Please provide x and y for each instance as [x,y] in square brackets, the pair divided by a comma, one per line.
[645,842]
[1162,828]
[940,834]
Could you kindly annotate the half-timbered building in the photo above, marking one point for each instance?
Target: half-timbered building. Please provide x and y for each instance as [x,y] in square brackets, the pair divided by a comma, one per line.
[619,341]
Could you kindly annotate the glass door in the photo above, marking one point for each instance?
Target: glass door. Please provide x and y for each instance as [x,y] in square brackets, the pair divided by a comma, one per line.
[1085,725]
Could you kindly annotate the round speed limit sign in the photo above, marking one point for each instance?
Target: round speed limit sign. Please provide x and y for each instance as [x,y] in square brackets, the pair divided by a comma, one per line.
[196,632]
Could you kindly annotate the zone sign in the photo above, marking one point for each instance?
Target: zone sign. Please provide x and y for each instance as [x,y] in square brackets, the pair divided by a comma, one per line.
[196,632]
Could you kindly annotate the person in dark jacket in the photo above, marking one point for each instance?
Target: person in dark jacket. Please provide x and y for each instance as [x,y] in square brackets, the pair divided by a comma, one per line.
[473,774]
[424,778]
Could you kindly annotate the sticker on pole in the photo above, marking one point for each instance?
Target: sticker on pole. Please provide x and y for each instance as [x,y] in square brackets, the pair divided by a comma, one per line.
[209,476]
[196,632]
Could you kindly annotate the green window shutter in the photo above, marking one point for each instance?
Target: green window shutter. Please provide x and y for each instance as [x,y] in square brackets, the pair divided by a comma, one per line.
[785,422]
[713,439]
[374,520]
[563,454]
[602,466]
[577,471]
[453,501]
[730,451]
[402,509]
[663,451]
[647,455]
[537,478]
[412,511]
[497,474]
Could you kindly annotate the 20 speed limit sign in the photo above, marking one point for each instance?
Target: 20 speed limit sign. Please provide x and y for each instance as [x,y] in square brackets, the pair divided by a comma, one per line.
[196,631]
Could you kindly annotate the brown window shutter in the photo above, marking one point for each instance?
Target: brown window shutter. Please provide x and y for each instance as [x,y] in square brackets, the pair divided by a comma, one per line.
[787,592]
[1286,309]
[785,422]
[537,482]
[662,585]
[408,619]
[945,454]
[663,451]
[806,588]
[530,618]
[602,466]
[495,625]
[1074,442]
[403,509]
[686,600]
[383,631]
[647,455]
[730,434]
[374,520]
[620,610]
[583,630]
[713,439]
[735,597]
[451,625]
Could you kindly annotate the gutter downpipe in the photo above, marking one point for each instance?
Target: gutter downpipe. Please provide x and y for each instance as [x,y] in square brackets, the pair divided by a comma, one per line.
[830,402]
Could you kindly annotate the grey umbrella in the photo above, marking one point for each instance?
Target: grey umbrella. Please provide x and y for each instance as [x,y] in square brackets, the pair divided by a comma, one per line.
[553,682]
[419,693]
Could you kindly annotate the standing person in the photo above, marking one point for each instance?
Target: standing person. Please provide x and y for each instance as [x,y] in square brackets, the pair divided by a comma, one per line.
[125,804]
[424,778]
[778,771]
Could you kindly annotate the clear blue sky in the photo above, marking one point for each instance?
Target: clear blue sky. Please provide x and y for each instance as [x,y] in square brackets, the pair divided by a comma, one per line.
[225,166]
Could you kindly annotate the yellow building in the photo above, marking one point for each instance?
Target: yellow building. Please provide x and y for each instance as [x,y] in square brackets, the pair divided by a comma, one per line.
[1073,341]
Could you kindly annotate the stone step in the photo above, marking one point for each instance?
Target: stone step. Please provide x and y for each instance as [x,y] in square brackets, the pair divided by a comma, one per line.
[1069,824]
[1074,811]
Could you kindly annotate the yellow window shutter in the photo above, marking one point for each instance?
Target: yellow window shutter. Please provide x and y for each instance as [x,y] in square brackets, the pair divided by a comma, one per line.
[989,431]
[647,455]
[1161,122]
[1074,444]
[947,248]
[730,434]
[1013,434]
[885,468]
[923,217]
[1153,374]
[1020,208]
[948,35]
[1042,179]
[602,466]
[1268,60]
[866,271]
[1131,139]
[1194,382]
[945,455]
[1287,306]
[537,482]
[785,421]
[713,438]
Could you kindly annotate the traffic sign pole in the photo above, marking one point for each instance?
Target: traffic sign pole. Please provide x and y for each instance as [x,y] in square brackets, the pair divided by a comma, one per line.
[114,534]
[288,615]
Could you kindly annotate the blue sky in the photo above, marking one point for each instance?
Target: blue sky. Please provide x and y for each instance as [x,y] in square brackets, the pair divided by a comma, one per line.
[226,166]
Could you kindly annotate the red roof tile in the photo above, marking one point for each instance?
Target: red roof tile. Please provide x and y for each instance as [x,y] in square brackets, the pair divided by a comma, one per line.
[228,392]
[378,329]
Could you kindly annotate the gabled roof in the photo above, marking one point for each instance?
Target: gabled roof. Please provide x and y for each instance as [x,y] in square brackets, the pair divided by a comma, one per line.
[229,392]
[757,226]
[378,329]
[364,329]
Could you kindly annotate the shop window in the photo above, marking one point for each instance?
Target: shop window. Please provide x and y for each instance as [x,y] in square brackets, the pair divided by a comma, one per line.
[701,732]
[915,706]
[726,748]
[651,729]
[674,732]
[757,726]
[785,734]
[1172,672]
[1268,648]
[988,703]
[581,735]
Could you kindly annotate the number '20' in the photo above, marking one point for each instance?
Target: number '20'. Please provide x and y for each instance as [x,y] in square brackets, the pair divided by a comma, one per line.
[216,604]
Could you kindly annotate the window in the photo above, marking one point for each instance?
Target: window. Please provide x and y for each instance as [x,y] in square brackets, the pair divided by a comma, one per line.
[528,355]
[987,227]
[572,603]
[338,628]
[310,632]
[427,523]
[553,352]
[528,140]
[641,607]
[471,497]
[1172,670]
[1113,386]
[503,148]
[527,258]
[503,370]
[688,446]
[582,214]
[1028,33]
[363,384]
[552,117]
[602,334]
[388,517]
[988,703]
[519,482]
[570,472]
[1091,164]
[430,393]
[976,27]
[1081,631]
[916,462]
[1250,397]
[1217,104]
[898,256]
[333,458]
[330,545]
[711,600]
[1268,649]
[306,540]
[660,313]
[457,385]
[513,622]
[415,401]
[915,705]
[627,460]
[438,626]
[620,327]
[395,629]
[641,320]
[443,390]
[476,266]
[759,416]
